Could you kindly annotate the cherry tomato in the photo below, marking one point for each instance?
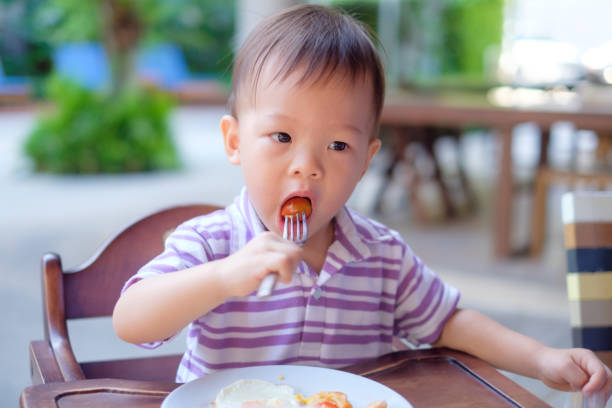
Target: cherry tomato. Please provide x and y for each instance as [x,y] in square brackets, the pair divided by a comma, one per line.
[296,205]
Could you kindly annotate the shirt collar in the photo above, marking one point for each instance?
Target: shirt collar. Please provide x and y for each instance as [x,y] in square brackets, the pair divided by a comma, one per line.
[246,224]
[348,245]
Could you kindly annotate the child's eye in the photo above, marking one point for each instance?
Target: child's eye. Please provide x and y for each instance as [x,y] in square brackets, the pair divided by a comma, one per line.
[338,145]
[281,137]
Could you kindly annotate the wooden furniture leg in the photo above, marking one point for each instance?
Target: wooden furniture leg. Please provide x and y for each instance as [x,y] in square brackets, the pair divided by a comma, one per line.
[398,141]
[503,205]
[539,198]
[538,213]
[431,136]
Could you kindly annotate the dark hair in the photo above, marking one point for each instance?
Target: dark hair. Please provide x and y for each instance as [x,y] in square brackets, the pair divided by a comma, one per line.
[323,40]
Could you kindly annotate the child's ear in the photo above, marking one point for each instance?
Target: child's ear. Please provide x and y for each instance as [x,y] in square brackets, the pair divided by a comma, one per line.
[373,147]
[231,139]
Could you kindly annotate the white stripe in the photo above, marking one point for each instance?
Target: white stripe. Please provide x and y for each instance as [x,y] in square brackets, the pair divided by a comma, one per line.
[586,206]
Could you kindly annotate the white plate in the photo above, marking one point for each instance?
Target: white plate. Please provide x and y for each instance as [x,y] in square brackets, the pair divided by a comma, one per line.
[305,380]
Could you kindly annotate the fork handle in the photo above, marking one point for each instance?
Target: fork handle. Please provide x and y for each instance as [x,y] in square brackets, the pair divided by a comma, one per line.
[266,285]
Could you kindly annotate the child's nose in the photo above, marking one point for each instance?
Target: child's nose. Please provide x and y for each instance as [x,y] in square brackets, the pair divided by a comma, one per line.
[306,165]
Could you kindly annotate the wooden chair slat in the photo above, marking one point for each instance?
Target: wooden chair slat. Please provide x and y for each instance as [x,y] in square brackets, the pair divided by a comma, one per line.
[161,368]
[92,290]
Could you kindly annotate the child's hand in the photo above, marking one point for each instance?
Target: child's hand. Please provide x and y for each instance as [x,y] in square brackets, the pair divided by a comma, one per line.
[264,254]
[575,369]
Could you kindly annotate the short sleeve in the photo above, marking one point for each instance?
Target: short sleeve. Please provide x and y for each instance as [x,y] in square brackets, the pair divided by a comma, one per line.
[184,248]
[424,302]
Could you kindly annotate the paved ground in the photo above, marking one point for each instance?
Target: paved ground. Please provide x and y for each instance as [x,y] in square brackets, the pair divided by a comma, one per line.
[73,215]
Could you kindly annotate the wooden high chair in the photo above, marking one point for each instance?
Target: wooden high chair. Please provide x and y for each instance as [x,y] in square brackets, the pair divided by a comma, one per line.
[587,224]
[92,290]
[599,179]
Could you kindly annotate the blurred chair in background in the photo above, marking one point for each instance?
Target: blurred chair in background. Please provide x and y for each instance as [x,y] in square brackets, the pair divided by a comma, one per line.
[597,177]
[85,63]
[164,66]
[13,89]
[416,147]
[587,224]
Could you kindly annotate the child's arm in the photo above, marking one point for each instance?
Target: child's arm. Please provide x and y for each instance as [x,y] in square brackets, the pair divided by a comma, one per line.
[156,308]
[563,369]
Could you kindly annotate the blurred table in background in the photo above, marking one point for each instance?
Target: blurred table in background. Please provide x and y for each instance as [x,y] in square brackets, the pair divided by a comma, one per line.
[414,111]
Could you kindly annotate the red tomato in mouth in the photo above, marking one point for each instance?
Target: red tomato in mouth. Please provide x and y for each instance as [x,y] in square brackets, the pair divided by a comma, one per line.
[296,205]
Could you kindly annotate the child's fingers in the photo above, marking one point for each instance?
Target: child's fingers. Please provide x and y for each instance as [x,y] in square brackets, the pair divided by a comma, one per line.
[600,378]
[280,257]
[286,264]
[575,375]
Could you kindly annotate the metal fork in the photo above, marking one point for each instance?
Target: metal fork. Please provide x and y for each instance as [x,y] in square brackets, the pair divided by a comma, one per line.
[301,235]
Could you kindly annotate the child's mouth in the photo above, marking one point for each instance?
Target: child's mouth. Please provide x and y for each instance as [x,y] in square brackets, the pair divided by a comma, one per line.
[296,205]
[293,209]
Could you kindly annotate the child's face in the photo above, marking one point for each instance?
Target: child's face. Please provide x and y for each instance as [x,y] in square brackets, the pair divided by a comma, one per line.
[310,140]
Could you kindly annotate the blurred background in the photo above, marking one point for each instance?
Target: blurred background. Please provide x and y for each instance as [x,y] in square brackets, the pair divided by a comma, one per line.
[109,110]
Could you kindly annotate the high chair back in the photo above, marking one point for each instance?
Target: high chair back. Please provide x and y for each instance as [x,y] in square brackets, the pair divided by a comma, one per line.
[587,223]
[92,290]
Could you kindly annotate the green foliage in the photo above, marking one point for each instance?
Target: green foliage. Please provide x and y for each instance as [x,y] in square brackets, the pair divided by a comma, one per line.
[365,11]
[203,29]
[69,20]
[91,132]
[471,26]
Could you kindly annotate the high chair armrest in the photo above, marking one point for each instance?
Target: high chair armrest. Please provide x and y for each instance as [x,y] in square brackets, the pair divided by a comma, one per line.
[43,365]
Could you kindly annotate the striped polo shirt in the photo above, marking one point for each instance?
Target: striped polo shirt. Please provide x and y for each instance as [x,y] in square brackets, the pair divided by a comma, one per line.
[371,288]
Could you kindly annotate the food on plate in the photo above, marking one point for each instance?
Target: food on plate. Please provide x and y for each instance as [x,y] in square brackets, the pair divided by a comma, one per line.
[296,205]
[264,394]
[377,404]
[328,399]
[256,394]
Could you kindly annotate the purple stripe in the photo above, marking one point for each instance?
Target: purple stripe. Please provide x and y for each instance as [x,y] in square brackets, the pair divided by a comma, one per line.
[249,342]
[438,300]
[223,225]
[403,286]
[164,255]
[436,333]
[363,231]
[182,237]
[424,303]
[284,326]
[416,285]
[185,256]
[345,326]
[262,306]
[343,239]
[249,217]
[335,339]
[392,261]
[159,268]
[219,235]
[292,360]
[225,366]
[370,272]
[187,363]
[336,258]
[279,292]
[357,305]
[350,292]
[220,256]
[210,254]
[294,338]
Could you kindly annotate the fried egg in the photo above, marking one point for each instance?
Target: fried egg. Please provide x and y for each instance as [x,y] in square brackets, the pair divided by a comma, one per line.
[256,394]
[328,399]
